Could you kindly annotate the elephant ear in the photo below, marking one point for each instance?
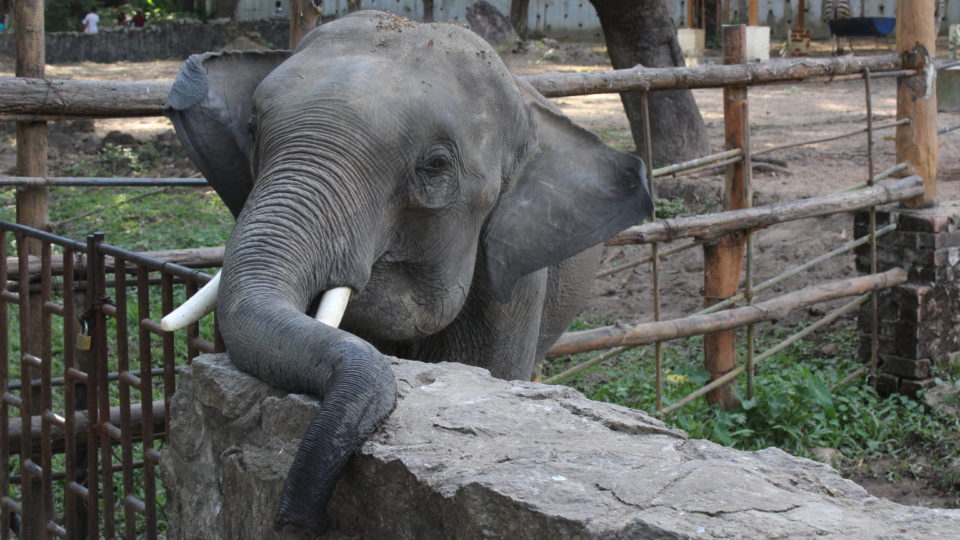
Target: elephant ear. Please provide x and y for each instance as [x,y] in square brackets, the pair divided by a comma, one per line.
[210,105]
[573,192]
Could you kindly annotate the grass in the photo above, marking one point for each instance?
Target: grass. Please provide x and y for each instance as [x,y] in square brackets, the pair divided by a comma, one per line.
[793,407]
[135,219]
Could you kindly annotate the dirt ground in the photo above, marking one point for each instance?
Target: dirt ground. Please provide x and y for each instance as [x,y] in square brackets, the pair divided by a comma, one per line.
[779,114]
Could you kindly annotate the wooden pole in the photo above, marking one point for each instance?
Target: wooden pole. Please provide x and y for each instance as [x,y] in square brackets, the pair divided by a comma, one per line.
[114,99]
[708,226]
[690,15]
[304,16]
[769,310]
[801,14]
[753,17]
[33,211]
[917,143]
[723,258]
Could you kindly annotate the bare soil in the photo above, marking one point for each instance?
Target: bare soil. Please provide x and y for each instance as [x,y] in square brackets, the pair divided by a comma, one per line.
[778,114]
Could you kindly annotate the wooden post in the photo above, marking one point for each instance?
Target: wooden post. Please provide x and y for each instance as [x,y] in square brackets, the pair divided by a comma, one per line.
[33,211]
[753,17]
[304,16]
[801,11]
[690,10]
[723,259]
[917,143]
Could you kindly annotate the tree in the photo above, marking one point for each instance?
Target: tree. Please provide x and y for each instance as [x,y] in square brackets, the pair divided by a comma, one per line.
[642,32]
[518,16]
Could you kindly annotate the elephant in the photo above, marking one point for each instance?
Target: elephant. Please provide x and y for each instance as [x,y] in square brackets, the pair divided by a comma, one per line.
[401,165]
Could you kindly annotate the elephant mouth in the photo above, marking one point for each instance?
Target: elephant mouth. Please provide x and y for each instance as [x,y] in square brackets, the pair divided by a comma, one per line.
[330,306]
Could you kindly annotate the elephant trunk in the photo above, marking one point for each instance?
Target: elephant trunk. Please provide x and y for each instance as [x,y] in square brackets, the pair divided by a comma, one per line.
[275,266]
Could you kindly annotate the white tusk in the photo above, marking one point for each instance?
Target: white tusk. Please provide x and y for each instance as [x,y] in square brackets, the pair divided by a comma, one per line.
[332,305]
[194,308]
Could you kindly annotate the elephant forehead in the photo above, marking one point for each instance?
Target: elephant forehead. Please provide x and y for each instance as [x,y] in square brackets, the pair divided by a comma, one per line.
[412,46]
[383,94]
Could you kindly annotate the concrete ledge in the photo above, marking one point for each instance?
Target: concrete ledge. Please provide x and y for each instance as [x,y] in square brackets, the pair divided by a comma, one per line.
[468,456]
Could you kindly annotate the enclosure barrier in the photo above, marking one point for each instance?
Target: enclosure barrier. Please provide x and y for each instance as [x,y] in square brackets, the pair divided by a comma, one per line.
[98,416]
[61,441]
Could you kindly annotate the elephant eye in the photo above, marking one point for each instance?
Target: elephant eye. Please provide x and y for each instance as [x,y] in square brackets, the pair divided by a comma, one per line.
[435,183]
[437,161]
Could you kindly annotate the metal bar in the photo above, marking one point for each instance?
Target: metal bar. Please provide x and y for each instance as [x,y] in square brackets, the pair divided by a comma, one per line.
[89,392]
[58,475]
[695,163]
[72,459]
[724,163]
[41,235]
[4,385]
[876,178]
[948,65]
[46,397]
[654,248]
[948,129]
[12,400]
[33,361]
[28,496]
[146,398]
[874,315]
[97,275]
[169,380]
[193,330]
[889,125]
[797,269]
[80,181]
[128,378]
[644,260]
[759,288]
[829,318]
[123,366]
[156,265]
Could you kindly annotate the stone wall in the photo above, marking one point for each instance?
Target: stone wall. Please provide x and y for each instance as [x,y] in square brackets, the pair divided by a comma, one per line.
[173,39]
[467,456]
[919,320]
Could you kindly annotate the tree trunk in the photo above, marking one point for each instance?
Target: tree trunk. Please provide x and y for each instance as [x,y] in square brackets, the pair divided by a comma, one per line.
[353,5]
[427,10]
[518,16]
[641,32]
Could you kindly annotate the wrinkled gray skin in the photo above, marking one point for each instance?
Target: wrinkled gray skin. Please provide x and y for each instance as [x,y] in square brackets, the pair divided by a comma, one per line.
[402,160]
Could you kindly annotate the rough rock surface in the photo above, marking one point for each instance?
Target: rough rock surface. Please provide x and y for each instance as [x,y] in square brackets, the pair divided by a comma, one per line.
[465,455]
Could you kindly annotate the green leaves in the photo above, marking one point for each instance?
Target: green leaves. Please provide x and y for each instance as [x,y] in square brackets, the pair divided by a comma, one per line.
[792,408]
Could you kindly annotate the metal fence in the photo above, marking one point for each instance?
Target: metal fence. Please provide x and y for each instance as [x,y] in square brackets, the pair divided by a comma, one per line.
[90,388]
[91,392]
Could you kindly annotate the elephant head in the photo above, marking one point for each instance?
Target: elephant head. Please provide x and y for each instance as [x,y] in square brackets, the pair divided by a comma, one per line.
[403,163]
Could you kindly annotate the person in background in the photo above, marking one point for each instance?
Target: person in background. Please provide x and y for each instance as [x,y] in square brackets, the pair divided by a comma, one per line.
[122,19]
[139,19]
[91,23]
[278,12]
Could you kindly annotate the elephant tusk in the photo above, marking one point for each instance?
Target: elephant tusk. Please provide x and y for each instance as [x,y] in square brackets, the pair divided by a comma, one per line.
[332,305]
[194,308]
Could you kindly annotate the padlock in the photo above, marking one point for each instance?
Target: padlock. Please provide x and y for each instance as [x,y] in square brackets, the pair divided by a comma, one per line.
[84,340]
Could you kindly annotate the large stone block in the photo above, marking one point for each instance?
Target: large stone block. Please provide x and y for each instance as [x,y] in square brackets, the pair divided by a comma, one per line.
[468,456]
